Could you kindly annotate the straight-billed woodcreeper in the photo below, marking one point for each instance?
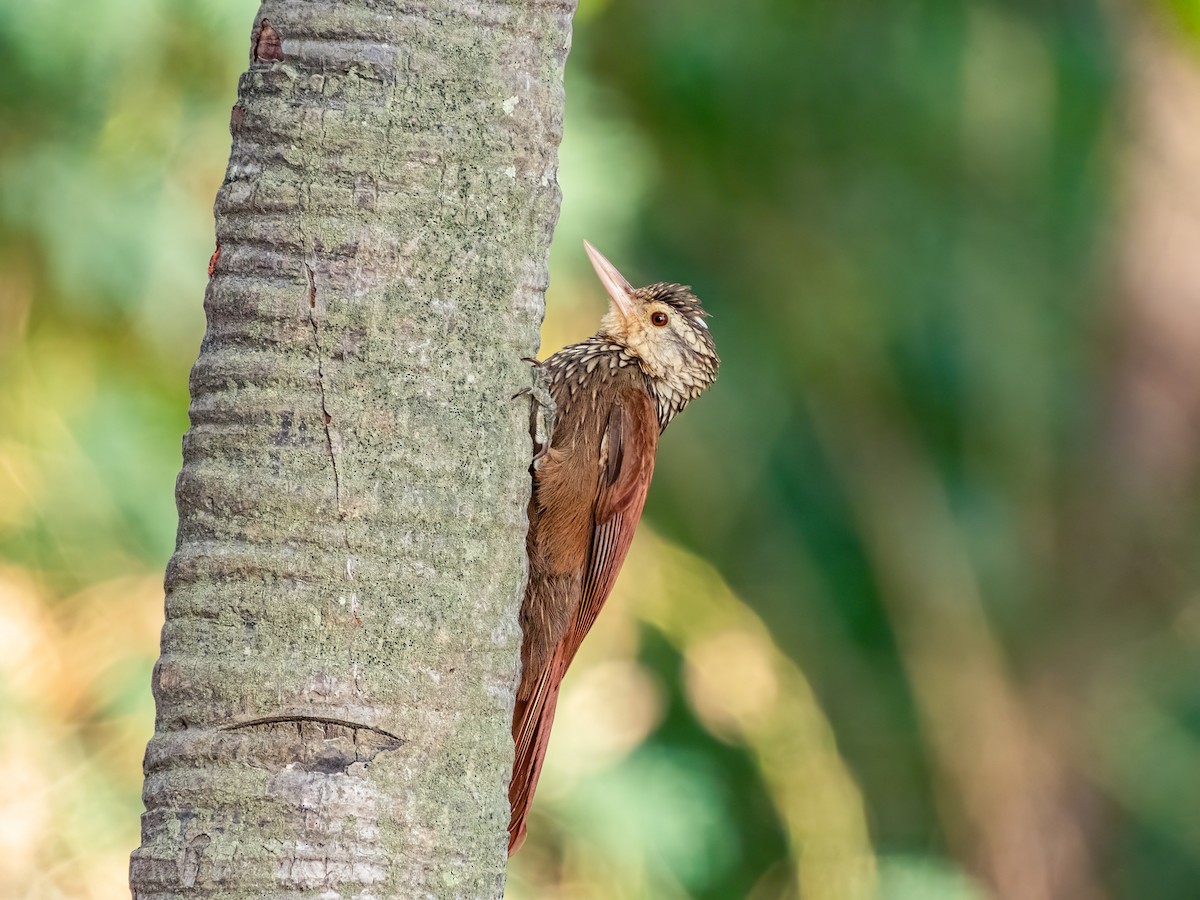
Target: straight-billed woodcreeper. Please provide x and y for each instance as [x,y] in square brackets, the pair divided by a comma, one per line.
[614,393]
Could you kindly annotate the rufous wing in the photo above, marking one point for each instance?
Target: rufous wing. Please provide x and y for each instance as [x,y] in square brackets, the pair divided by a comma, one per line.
[626,464]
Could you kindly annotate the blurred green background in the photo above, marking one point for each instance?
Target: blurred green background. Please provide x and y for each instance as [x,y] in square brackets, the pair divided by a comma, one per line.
[915,613]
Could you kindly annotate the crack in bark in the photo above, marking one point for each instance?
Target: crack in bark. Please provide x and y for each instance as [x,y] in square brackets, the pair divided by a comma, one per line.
[325,417]
[296,718]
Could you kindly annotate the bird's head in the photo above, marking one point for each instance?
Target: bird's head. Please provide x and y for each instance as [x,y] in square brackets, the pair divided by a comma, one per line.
[663,326]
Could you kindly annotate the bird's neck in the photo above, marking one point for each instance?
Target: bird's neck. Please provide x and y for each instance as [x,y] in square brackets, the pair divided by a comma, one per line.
[670,397]
[668,390]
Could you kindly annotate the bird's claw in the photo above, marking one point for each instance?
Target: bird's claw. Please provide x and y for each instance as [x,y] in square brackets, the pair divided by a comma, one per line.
[541,415]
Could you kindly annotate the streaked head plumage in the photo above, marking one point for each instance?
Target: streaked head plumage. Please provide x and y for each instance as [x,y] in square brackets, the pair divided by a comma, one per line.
[664,326]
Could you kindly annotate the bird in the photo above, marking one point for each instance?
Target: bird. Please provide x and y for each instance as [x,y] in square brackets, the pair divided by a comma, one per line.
[613,394]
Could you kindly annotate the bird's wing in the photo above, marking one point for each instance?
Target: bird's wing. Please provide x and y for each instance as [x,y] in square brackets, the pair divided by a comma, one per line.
[626,464]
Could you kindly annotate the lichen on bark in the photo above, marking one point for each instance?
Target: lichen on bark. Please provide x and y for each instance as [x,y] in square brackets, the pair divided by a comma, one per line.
[341,636]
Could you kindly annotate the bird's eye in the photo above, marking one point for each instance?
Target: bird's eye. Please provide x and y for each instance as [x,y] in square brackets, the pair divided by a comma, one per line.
[659,318]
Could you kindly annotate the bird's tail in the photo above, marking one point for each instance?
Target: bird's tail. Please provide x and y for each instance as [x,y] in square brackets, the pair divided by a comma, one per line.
[532,719]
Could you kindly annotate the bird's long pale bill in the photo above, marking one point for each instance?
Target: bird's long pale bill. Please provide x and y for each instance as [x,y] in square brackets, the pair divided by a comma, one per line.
[614,282]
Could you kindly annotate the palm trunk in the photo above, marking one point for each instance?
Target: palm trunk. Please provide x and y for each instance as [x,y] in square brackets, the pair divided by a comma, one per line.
[341,640]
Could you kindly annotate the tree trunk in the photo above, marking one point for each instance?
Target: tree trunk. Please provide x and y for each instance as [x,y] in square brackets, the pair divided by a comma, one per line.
[341,640]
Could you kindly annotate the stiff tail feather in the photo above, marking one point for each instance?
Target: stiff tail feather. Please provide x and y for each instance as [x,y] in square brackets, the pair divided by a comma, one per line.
[531,734]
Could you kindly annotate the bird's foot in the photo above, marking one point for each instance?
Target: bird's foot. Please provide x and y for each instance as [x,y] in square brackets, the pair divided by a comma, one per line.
[541,414]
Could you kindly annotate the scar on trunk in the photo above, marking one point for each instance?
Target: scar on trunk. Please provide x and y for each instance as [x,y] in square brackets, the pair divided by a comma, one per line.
[301,717]
[265,44]
[332,755]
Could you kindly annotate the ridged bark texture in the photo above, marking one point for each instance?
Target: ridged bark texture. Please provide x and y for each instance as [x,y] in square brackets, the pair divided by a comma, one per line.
[341,640]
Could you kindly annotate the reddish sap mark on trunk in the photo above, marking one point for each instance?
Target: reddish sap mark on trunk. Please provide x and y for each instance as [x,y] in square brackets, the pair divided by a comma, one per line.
[267,46]
[212,260]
